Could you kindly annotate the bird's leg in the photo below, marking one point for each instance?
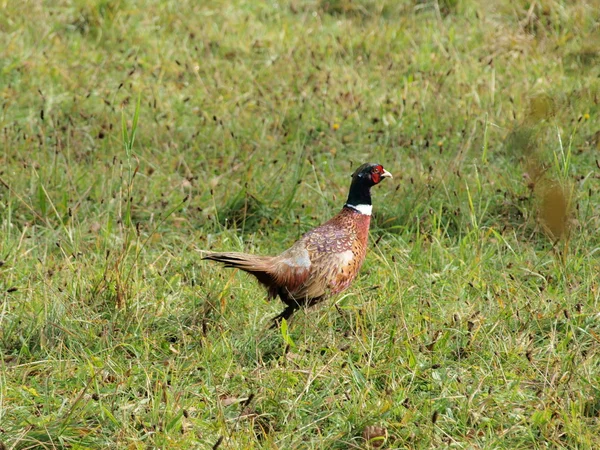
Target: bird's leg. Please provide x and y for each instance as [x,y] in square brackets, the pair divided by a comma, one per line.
[285,314]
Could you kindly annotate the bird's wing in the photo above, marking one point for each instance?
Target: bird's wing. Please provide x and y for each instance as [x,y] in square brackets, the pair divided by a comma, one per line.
[330,273]
[335,256]
[292,268]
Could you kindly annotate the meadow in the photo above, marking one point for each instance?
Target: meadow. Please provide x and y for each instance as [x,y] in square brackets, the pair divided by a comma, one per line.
[135,135]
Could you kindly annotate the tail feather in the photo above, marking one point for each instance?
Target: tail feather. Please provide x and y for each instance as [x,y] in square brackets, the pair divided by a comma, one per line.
[242,261]
[259,266]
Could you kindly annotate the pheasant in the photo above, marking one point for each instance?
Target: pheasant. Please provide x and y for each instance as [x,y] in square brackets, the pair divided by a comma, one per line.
[325,260]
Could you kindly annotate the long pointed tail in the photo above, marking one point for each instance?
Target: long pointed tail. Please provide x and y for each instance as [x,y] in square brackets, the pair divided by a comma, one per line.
[243,261]
[259,266]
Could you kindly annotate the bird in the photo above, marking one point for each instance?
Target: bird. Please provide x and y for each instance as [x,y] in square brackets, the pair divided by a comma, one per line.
[325,260]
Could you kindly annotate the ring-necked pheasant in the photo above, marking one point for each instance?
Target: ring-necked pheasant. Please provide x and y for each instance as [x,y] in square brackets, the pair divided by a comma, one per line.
[325,260]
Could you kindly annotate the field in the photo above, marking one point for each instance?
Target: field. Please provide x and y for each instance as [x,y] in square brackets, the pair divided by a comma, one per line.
[136,135]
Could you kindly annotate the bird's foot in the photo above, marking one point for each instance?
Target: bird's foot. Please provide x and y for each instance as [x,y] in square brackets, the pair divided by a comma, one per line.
[285,314]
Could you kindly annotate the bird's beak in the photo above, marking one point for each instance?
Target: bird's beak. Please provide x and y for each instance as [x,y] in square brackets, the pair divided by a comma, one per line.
[386,174]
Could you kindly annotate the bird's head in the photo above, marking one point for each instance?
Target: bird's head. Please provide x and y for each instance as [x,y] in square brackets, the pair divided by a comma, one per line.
[370,174]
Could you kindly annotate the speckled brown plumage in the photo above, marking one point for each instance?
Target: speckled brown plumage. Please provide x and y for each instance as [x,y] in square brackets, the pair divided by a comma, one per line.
[325,260]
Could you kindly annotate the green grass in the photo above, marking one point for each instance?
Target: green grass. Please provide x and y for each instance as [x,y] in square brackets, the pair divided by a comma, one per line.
[474,321]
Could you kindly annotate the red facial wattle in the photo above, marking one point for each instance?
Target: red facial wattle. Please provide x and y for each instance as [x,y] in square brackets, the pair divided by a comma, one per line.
[376,174]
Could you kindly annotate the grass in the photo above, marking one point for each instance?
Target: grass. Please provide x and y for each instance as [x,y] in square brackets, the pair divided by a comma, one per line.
[474,321]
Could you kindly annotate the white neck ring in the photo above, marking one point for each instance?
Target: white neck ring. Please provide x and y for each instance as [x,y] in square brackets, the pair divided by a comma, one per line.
[363,209]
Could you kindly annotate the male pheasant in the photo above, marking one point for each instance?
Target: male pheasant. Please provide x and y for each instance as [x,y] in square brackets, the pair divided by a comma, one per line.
[325,260]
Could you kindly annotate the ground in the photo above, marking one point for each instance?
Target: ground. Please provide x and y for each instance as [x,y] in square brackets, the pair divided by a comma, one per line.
[136,135]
